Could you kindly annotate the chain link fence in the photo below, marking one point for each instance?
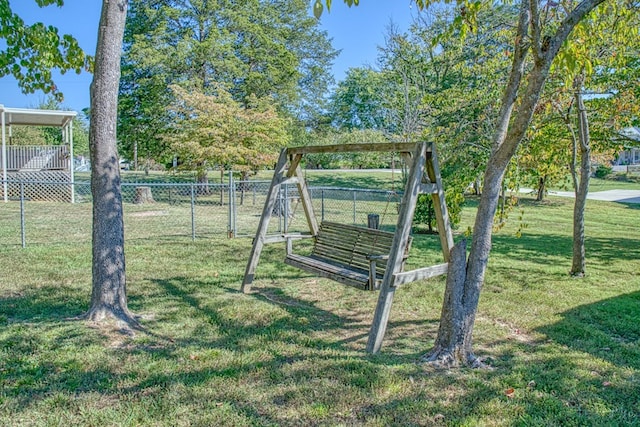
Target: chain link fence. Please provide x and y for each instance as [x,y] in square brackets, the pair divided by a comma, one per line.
[40,212]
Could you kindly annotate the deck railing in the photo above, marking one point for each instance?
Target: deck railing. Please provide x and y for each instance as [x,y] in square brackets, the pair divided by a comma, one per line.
[37,157]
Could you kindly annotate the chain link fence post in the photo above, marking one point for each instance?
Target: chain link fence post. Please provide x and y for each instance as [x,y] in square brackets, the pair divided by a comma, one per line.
[234,207]
[354,206]
[193,212]
[22,224]
[286,208]
[230,218]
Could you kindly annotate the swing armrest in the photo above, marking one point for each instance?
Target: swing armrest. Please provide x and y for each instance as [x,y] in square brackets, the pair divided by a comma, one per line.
[373,260]
[289,238]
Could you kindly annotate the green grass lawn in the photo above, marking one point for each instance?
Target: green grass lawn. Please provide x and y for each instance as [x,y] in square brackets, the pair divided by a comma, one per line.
[564,351]
[614,182]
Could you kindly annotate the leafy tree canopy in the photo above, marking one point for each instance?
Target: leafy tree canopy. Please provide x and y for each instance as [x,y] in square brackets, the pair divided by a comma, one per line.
[255,48]
[215,130]
[30,52]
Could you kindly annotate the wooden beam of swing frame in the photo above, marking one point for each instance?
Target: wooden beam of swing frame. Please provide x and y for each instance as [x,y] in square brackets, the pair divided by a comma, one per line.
[405,277]
[401,147]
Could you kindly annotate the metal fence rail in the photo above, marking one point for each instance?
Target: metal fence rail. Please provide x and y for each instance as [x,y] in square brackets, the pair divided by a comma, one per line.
[172,210]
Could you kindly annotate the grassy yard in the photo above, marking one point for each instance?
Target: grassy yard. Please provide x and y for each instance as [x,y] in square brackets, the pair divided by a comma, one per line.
[615,182]
[563,351]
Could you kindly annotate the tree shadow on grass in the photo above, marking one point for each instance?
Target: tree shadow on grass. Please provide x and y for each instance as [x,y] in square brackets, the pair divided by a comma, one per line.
[297,342]
[549,248]
[607,329]
[279,315]
[43,304]
[35,324]
[545,380]
[266,355]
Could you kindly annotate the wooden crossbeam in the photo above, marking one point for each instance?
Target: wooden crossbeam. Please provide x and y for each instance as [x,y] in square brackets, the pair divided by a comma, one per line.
[419,274]
[401,147]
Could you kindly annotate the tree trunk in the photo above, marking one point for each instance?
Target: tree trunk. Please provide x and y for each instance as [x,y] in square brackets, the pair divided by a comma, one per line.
[135,156]
[244,178]
[453,343]
[582,189]
[109,296]
[542,188]
[202,179]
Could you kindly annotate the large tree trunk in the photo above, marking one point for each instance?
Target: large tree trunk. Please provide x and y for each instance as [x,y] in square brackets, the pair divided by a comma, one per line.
[582,188]
[453,343]
[109,296]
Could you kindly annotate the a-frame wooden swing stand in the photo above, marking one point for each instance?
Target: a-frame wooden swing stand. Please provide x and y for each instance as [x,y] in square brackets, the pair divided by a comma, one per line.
[424,177]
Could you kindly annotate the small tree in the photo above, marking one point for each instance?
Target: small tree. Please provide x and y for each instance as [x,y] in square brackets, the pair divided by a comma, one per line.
[215,130]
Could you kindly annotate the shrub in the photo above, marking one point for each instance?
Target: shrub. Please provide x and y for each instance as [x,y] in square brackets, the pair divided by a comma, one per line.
[602,171]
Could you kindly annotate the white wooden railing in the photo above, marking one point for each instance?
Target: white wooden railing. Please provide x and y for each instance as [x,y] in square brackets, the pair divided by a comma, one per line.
[37,157]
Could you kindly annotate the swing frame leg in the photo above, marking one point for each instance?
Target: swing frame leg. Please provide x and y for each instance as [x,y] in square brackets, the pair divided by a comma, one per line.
[400,241]
[279,177]
[259,240]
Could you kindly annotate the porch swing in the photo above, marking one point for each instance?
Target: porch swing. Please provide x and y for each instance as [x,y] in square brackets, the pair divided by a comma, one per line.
[358,256]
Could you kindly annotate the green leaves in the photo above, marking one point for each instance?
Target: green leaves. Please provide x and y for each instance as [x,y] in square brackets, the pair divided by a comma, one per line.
[264,48]
[318,8]
[31,52]
[214,130]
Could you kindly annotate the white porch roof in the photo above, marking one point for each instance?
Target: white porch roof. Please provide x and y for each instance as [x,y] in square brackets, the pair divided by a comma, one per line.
[32,117]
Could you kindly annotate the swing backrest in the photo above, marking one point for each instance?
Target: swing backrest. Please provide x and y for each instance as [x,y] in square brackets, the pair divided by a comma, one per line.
[350,245]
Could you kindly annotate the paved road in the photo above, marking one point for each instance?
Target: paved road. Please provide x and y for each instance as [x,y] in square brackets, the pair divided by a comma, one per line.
[621,196]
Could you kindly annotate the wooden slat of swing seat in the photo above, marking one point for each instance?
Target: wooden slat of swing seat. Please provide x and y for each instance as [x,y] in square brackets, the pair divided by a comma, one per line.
[342,274]
[345,253]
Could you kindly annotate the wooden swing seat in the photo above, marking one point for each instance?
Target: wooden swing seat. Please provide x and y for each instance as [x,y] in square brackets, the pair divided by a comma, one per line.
[349,254]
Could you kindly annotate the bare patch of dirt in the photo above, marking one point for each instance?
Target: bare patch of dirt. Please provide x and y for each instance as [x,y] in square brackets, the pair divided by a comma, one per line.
[515,333]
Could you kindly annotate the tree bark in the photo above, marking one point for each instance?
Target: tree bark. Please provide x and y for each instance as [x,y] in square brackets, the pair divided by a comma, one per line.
[542,188]
[143,195]
[578,267]
[202,178]
[109,296]
[507,136]
[453,345]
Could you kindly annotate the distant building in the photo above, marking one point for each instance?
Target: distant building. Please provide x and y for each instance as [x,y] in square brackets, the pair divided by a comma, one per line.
[631,153]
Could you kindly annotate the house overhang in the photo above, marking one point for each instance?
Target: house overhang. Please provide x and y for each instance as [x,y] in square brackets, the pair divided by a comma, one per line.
[33,117]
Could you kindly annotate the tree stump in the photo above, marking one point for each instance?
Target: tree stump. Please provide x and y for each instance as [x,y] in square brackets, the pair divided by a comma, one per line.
[143,195]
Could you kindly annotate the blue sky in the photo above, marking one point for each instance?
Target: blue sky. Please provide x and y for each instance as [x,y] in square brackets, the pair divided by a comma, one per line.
[357,31]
